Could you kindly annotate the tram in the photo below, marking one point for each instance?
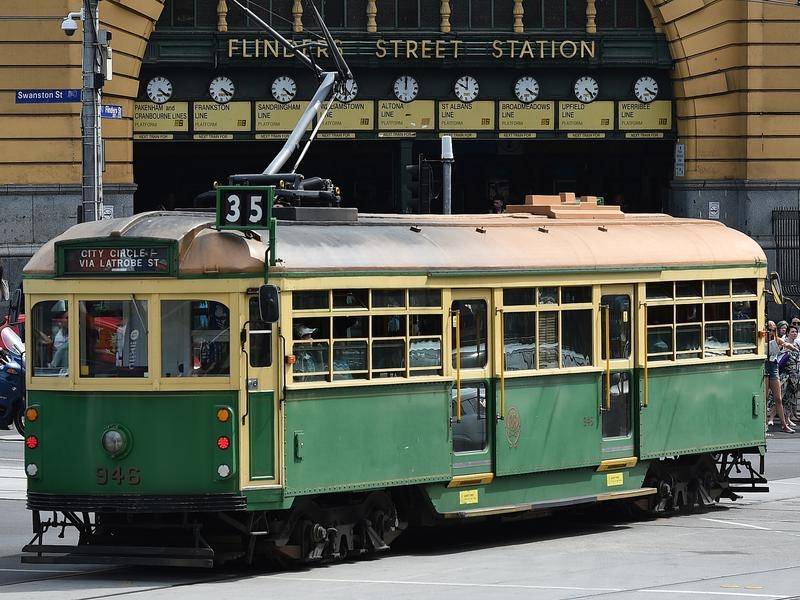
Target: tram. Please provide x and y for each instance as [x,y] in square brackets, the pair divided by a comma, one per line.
[418,369]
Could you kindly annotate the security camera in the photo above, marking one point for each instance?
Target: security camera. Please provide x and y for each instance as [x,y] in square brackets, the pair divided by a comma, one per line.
[69,26]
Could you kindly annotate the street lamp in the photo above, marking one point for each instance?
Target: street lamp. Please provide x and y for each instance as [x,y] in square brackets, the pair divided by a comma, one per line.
[94,70]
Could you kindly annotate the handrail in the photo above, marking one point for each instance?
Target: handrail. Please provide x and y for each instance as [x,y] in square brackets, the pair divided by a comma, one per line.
[457,325]
[502,367]
[646,398]
[607,341]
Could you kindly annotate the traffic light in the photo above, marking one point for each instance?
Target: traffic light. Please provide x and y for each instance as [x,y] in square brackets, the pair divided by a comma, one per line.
[420,183]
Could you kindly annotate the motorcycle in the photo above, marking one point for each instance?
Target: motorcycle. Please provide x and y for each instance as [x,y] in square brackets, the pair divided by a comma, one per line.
[12,381]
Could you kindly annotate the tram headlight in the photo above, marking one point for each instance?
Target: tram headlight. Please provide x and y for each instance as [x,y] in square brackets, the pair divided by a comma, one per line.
[32,470]
[114,442]
[223,471]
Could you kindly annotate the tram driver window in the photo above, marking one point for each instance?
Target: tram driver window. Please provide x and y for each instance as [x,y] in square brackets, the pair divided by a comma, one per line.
[260,337]
[51,339]
[195,338]
[113,338]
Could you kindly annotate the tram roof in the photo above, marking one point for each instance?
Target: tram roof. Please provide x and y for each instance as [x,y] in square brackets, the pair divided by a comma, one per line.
[429,243]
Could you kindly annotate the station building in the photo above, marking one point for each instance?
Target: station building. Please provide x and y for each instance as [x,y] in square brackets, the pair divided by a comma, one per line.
[684,106]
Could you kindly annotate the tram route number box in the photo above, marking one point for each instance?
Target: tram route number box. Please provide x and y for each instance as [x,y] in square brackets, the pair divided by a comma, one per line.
[244,207]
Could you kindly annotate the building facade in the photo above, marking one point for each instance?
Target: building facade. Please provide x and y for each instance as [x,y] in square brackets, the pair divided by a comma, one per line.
[686,106]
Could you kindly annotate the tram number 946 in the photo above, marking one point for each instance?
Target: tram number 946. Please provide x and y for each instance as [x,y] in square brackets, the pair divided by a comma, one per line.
[244,208]
[118,475]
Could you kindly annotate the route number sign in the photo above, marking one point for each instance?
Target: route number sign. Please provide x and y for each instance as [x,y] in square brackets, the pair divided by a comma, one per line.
[244,207]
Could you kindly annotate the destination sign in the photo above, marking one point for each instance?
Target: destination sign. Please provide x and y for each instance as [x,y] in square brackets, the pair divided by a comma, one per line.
[406,116]
[275,116]
[533,116]
[170,116]
[210,116]
[577,116]
[463,116]
[141,260]
[358,115]
[639,116]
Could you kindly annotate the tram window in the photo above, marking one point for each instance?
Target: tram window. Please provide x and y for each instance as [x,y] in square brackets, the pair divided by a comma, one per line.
[388,298]
[688,289]
[519,296]
[195,339]
[310,300]
[389,326]
[687,341]
[742,311]
[351,299]
[469,434]
[659,343]
[718,311]
[718,288]
[260,353]
[617,421]
[472,319]
[51,339]
[349,360]
[426,325]
[658,291]
[308,328]
[659,315]
[620,321]
[745,287]
[519,341]
[424,353]
[350,327]
[576,295]
[576,338]
[311,359]
[113,338]
[717,340]
[548,340]
[687,313]
[423,297]
[548,295]
[388,355]
[744,338]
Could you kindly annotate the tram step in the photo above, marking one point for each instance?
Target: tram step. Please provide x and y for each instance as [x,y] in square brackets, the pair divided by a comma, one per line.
[119,555]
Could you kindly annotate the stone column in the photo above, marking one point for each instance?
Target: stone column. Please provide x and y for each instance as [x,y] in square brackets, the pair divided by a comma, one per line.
[372,12]
[444,11]
[519,11]
[297,14]
[222,16]
[591,13]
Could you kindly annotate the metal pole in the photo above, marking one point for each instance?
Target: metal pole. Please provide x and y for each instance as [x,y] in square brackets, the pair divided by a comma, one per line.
[447,165]
[91,184]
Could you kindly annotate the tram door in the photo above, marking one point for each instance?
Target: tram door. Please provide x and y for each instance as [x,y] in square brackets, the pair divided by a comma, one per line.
[617,353]
[259,404]
[472,394]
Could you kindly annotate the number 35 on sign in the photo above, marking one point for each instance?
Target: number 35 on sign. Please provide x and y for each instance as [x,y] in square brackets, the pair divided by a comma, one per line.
[244,207]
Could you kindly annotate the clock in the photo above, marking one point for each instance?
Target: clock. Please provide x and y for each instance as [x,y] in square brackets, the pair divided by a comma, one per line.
[586,89]
[159,89]
[526,89]
[406,88]
[466,88]
[346,91]
[221,89]
[645,89]
[283,89]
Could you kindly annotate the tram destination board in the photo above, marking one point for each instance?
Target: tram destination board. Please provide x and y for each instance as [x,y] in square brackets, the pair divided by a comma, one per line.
[244,207]
[137,258]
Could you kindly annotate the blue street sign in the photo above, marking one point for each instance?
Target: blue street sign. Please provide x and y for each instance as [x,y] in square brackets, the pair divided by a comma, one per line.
[110,111]
[47,96]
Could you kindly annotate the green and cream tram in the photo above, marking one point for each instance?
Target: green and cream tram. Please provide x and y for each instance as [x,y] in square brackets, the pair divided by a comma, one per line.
[420,368]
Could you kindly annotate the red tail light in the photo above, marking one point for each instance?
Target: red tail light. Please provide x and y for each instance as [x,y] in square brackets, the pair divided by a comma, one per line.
[32,441]
[223,442]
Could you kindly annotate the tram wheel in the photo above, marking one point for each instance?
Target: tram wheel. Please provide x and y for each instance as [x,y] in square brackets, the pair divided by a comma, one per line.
[19,424]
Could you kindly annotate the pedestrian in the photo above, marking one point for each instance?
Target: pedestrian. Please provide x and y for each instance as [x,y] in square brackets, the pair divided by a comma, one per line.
[772,382]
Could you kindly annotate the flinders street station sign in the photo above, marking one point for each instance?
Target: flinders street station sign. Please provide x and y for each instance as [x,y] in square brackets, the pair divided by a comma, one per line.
[426,49]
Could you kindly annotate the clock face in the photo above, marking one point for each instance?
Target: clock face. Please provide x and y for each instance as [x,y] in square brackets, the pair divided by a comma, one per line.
[645,89]
[159,89]
[283,89]
[406,88]
[526,89]
[221,89]
[586,89]
[466,88]
[347,91]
